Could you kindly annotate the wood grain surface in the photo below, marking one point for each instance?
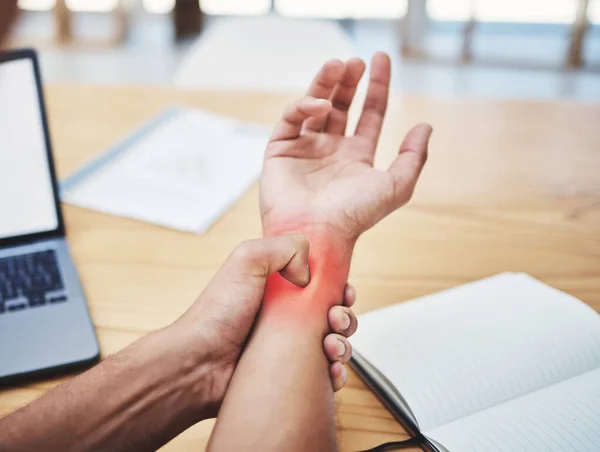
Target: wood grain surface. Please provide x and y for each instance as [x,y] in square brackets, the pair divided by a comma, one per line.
[509,186]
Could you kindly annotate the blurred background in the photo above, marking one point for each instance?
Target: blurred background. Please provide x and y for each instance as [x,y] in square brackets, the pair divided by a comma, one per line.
[536,49]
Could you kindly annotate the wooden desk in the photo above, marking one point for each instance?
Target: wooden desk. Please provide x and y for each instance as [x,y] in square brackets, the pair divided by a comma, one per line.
[509,186]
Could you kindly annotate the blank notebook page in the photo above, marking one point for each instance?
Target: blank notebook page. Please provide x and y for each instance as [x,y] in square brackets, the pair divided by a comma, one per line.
[564,417]
[457,352]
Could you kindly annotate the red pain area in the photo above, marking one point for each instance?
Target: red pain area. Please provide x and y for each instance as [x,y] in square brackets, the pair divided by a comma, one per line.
[329,263]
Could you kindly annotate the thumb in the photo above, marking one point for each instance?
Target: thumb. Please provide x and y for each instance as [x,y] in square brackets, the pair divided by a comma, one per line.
[259,258]
[407,166]
[233,296]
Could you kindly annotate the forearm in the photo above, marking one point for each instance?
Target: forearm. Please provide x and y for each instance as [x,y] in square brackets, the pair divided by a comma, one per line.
[280,397]
[134,401]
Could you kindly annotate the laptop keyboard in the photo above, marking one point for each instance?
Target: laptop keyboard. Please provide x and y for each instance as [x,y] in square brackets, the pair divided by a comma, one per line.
[30,281]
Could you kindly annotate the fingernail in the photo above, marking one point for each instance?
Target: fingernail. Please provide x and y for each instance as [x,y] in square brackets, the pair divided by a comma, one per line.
[351,292]
[341,348]
[344,376]
[345,322]
[307,274]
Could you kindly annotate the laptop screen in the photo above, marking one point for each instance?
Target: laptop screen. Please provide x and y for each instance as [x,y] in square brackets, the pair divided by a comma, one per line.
[26,194]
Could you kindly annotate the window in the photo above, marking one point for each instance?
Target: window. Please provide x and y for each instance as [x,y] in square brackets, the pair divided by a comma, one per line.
[532,11]
[37,5]
[73,5]
[594,12]
[92,5]
[341,9]
[236,7]
[158,6]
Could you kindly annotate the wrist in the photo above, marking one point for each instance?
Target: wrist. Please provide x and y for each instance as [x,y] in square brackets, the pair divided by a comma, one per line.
[329,261]
[328,247]
[312,229]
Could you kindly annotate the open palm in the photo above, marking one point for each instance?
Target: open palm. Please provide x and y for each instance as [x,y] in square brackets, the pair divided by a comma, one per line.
[314,174]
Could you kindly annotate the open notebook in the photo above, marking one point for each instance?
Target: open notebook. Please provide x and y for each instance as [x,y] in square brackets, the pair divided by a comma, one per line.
[502,364]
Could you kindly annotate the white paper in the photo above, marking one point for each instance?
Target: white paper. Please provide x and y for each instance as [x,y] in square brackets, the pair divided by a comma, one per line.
[467,349]
[184,174]
[564,417]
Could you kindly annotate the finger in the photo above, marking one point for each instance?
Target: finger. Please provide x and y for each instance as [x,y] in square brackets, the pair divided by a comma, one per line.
[343,96]
[407,166]
[371,120]
[349,295]
[322,87]
[337,348]
[287,254]
[342,320]
[338,375]
[326,79]
[290,125]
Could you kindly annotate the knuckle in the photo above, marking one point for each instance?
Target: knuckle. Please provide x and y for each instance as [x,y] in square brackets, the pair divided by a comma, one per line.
[292,111]
[402,193]
[340,104]
[300,241]
[292,106]
[245,252]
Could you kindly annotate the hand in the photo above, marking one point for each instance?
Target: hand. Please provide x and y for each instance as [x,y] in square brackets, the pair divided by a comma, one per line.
[315,174]
[222,317]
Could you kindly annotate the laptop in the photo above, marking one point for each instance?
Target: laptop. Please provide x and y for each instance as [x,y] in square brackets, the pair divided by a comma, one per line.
[45,325]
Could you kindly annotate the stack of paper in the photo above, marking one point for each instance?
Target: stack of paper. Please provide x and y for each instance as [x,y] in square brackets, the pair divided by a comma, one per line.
[182,170]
